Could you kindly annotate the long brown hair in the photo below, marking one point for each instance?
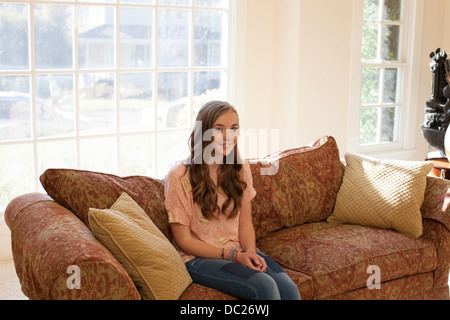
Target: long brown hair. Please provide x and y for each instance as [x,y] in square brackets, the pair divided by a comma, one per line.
[203,188]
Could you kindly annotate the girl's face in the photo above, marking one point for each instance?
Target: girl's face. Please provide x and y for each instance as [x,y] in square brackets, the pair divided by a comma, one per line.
[225,133]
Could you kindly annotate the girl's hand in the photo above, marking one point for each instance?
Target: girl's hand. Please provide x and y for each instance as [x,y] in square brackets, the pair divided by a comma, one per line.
[251,260]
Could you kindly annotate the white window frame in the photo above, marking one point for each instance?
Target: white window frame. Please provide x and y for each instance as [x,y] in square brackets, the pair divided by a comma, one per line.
[234,79]
[410,55]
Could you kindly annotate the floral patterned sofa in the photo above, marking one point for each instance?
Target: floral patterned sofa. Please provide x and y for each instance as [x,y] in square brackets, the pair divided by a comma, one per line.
[50,232]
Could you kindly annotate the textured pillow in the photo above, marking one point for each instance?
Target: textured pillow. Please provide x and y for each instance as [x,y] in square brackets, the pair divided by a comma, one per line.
[303,188]
[145,253]
[386,194]
[79,190]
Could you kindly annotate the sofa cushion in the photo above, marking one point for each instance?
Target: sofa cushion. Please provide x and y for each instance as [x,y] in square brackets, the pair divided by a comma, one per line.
[149,258]
[295,186]
[337,256]
[199,292]
[79,190]
[386,194]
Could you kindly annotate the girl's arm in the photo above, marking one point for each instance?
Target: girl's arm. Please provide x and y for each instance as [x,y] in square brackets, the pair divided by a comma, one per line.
[248,241]
[191,246]
[246,230]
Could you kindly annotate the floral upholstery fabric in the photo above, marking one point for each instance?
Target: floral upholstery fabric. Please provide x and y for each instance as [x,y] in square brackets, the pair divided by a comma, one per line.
[436,205]
[303,189]
[198,292]
[439,235]
[337,257]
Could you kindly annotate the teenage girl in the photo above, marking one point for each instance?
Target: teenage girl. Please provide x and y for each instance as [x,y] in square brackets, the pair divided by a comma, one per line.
[208,199]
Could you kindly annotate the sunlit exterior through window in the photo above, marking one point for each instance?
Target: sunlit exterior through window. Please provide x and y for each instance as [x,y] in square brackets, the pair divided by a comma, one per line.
[104,85]
[383,69]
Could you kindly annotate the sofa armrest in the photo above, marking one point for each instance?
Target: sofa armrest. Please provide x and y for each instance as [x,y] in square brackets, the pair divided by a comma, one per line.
[436,204]
[436,225]
[47,239]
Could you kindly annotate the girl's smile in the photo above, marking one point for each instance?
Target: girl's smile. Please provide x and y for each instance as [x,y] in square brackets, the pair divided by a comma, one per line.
[226,131]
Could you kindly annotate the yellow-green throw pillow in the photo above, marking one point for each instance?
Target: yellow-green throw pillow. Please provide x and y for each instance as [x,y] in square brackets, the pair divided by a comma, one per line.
[386,194]
[150,259]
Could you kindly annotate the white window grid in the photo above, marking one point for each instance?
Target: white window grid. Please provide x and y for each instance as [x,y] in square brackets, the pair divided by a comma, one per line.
[382,65]
[409,63]
[229,90]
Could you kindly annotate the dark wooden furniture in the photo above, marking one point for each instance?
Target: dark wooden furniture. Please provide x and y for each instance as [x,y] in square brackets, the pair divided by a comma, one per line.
[441,168]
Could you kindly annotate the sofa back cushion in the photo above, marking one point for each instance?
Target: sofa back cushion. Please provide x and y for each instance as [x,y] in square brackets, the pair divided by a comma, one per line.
[295,186]
[79,190]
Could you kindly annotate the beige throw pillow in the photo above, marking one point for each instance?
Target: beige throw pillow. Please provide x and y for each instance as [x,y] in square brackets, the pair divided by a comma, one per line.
[150,259]
[386,194]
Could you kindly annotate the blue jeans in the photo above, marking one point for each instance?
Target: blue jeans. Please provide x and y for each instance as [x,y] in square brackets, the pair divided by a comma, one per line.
[242,282]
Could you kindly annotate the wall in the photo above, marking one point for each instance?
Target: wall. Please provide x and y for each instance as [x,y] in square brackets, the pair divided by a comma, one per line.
[307,45]
[324,79]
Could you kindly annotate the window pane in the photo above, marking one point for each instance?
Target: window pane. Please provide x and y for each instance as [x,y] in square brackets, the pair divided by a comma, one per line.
[56,154]
[390,86]
[389,125]
[136,102]
[14,43]
[392,10]
[15,108]
[172,99]
[371,9]
[207,87]
[16,172]
[211,3]
[98,154]
[136,27]
[370,42]
[370,86]
[136,155]
[97,104]
[96,37]
[175,2]
[178,151]
[173,40]
[55,110]
[391,42]
[53,31]
[368,126]
[208,38]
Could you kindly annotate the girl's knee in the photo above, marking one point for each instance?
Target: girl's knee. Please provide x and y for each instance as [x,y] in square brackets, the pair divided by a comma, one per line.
[290,292]
[265,288]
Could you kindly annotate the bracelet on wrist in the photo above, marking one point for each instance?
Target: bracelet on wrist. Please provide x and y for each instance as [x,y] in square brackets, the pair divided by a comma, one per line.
[230,254]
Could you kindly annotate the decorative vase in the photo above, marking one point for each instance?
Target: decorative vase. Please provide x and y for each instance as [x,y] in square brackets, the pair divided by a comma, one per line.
[447,143]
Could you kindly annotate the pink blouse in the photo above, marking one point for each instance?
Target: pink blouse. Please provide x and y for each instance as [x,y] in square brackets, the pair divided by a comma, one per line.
[221,232]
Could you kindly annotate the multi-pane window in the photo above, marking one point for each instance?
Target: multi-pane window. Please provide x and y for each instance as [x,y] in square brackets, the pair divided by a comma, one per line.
[383,66]
[104,85]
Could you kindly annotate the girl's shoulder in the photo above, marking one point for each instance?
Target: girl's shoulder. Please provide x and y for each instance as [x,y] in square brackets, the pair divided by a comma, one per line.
[177,172]
[178,169]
